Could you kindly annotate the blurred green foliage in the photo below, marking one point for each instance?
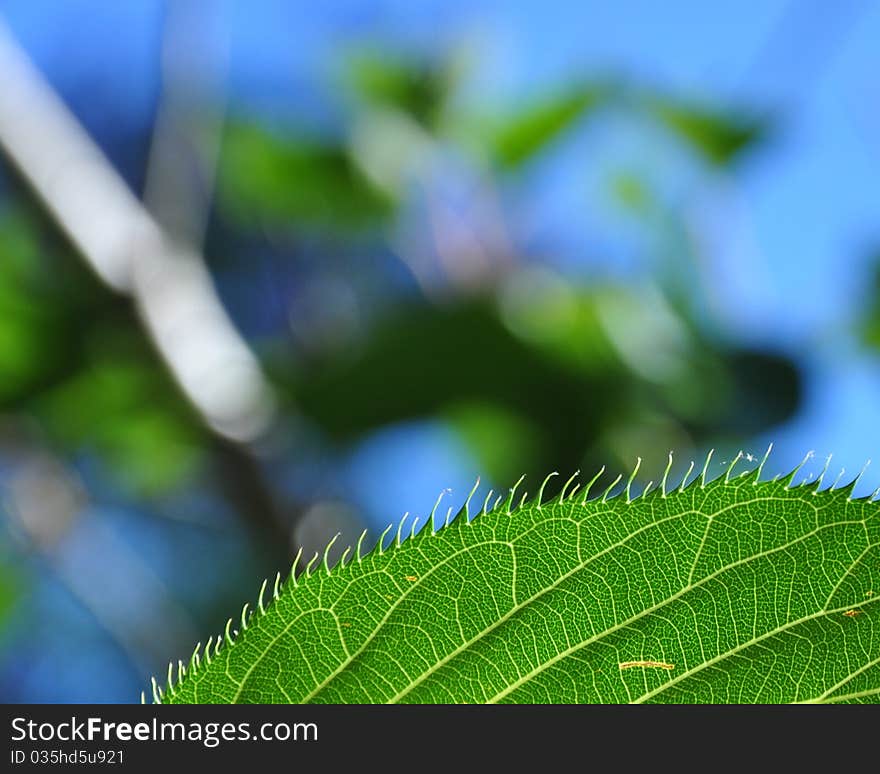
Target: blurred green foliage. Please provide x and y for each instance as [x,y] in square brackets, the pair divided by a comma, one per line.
[418,88]
[534,369]
[517,137]
[75,358]
[870,321]
[721,136]
[531,403]
[267,179]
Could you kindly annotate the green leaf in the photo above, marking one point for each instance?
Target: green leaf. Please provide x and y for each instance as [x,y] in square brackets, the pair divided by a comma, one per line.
[731,591]
[519,137]
[266,179]
[720,136]
[416,87]
[869,322]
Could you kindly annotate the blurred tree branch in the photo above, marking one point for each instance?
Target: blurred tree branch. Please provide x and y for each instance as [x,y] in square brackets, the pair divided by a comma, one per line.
[154,259]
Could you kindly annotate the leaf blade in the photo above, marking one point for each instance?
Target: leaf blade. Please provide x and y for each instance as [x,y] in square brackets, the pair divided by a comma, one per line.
[695,596]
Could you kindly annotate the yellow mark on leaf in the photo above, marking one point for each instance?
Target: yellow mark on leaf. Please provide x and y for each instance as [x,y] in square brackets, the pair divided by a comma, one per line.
[852,613]
[646,665]
[411,578]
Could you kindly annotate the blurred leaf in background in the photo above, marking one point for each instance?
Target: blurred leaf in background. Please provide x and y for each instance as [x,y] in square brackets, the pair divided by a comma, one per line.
[269,179]
[870,318]
[76,359]
[415,86]
[721,136]
[513,139]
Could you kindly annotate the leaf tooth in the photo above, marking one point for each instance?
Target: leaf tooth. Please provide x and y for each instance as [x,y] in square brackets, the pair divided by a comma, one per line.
[486,502]
[589,486]
[344,556]
[293,566]
[447,519]
[647,489]
[632,478]
[208,653]
[381,542]
[791,476]
[360,543]
[170,676]
[228,632]
[610,487]
[399,539]
[260,597]
[181,671]
[543,485]
[496,503]
[573,492]
[276,591]
[412,532]
[437,503]
[566,485]
[705,473]
[822,474]
[157,693]
[509,501]
[311,564]
[217,644]
[326,561]
[666,475]
[737,458]
[195,659]
[143,697]
[522,500]
[686,476]
[858,478]
[467,502]
[761,465]
[837,480]
[244,617]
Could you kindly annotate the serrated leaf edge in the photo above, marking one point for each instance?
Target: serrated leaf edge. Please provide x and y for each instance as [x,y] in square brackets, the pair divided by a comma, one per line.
[214,646]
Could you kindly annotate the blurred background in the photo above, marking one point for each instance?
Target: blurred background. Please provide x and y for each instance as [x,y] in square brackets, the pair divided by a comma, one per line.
[272,271]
